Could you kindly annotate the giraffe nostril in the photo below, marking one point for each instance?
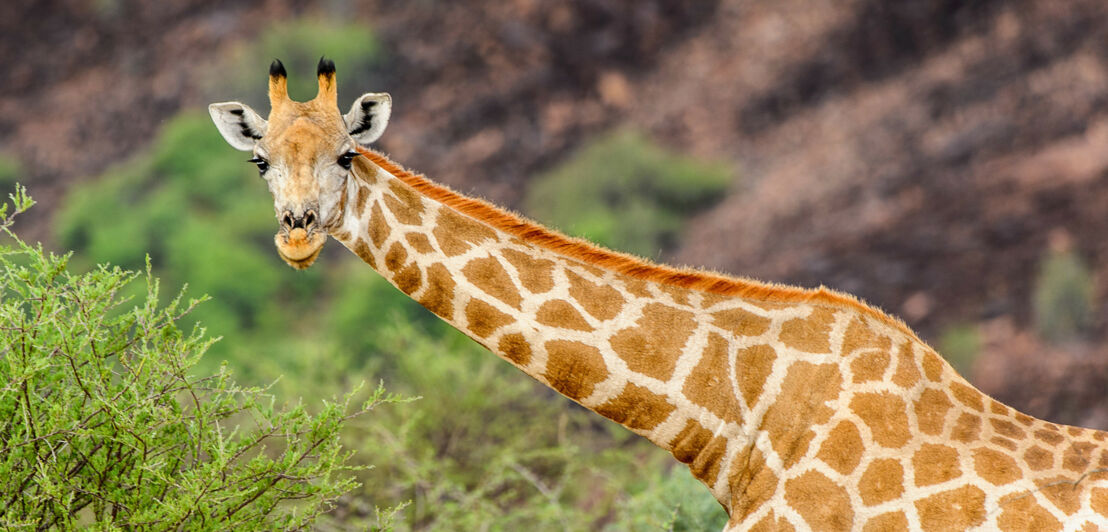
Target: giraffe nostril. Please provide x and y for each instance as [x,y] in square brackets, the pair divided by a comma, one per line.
[309,219]
[286,220]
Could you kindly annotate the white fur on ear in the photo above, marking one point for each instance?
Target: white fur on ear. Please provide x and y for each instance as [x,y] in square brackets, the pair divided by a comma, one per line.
[238,123]
[368,117]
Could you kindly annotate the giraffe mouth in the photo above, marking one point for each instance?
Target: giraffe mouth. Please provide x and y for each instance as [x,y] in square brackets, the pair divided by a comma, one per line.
[298,247]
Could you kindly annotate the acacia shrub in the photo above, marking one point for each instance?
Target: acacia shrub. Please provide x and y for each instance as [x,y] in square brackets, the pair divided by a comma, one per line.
[103,423]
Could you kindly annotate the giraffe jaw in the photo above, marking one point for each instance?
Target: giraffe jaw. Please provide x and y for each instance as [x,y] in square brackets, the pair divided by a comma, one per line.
[298,247]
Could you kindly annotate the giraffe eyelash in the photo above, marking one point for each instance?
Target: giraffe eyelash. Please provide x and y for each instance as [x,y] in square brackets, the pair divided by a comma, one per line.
[263,165]
[346,159]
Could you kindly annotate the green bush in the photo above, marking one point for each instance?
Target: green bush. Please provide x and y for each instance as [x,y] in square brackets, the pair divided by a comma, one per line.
[1063,297]
[104,424]
[673,501]
[625,192]
[960,344]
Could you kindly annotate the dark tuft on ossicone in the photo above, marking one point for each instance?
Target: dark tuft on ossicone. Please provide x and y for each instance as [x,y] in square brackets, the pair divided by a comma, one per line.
[277,70]
[326,67]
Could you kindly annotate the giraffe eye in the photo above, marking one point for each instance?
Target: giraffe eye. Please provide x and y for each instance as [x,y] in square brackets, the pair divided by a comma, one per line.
[346,158]
[263,165]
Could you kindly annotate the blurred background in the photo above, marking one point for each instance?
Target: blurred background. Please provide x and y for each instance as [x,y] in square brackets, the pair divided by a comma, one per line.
[945,160]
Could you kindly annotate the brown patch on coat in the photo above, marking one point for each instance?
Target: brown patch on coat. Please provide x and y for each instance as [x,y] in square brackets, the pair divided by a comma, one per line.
[708,384]
[515,348]
[1020,511]
[559,313]
[396,258]
[456,233]
[1098,500]
[740,322]
[637,408]
[1038,458]
[886,415]
[636,287]
[770,523]
[439,296]
[870,366]
[377,228]
[654,344]
[995,466]
[602,302]
[968,396]
[1078,456]
[842,450]
[406,276]
[753,365]
[708,299]
[1050,437]
[811,334]
[700,449]
[359,202]
[574,368]
[361,249]
[753,483]
[956,509]
[931,409]
[1061,493]
[887,521]
[537,275]
[419,242]
[409,279]
[907,370]
[861,336]
[679,295]
[1008,429]
[404,203]
[935,463]
[482,319]
[800,406]
[933,366]
[882,481]
[822,503]
[967,428]
[488,275]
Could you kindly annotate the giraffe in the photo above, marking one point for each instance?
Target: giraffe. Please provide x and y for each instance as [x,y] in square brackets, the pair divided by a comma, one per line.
[797,409]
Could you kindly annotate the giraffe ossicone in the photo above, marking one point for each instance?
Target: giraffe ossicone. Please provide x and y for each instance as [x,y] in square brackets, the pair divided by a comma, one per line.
[798,409]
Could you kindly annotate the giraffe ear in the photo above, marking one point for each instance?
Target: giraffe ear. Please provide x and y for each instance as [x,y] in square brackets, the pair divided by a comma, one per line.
[238,123]
[368,117]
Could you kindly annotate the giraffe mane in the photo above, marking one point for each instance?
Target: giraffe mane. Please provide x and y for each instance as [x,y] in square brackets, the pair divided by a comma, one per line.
[627,264]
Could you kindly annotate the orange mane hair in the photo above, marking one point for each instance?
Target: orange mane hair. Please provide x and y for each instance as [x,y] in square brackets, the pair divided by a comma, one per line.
[624,263]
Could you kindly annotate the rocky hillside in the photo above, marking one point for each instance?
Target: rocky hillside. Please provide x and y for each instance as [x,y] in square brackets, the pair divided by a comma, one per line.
[920,154]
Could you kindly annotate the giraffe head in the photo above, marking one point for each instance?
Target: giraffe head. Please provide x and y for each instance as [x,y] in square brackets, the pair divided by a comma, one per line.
[304,151]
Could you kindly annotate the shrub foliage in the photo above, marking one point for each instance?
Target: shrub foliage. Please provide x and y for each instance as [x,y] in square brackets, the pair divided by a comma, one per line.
[103,424]
[1063,297]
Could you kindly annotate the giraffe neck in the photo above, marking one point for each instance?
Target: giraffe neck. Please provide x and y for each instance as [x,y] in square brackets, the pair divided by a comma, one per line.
[644,354]
[792,407]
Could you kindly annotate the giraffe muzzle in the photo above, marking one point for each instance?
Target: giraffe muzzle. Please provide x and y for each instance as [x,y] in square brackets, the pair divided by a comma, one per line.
[299,241]
[306,221]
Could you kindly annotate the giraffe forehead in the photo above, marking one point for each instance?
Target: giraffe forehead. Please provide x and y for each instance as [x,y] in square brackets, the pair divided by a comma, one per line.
[303,137]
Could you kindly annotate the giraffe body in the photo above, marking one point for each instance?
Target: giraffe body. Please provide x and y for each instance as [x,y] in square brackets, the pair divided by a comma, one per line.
[797,409]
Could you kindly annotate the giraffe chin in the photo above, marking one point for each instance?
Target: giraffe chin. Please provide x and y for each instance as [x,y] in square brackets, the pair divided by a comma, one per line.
[299,249]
